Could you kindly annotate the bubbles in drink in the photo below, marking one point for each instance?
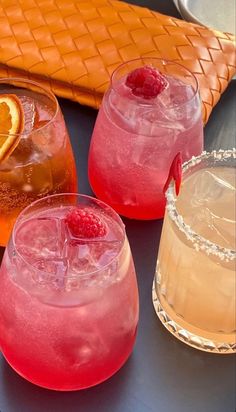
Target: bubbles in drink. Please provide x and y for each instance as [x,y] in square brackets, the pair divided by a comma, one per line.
[39,177]
[28,105]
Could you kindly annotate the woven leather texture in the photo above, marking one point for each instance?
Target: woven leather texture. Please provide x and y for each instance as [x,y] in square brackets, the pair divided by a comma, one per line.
[74,46]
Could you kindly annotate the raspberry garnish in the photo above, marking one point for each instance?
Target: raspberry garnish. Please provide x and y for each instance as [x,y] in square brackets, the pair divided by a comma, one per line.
[146,82]
[85,224]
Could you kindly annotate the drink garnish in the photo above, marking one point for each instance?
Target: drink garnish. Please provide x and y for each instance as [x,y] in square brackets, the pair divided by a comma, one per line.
[11,124]
[175,173]
[146,82]
[83,223]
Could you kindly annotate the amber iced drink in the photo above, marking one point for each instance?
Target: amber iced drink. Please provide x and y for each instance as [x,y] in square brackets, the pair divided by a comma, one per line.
[195,286]
[36,159]
[69,299]
[151,111]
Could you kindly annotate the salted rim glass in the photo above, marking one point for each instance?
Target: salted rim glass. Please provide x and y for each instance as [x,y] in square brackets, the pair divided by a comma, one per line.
[199,242]
[166,67]
[72,200]
[14,84]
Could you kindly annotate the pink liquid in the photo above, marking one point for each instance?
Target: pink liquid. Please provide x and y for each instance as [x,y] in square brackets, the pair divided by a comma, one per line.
[67,333]
[134,142]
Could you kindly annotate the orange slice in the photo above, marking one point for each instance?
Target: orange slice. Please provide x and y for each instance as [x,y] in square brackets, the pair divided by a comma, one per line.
[11,124]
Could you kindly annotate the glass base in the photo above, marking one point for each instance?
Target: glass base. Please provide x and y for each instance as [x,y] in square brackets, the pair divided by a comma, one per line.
[62,388]
[190,339]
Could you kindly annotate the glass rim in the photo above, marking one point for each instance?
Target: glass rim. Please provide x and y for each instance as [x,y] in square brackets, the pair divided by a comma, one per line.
[73,276]
[199,242]
[156,59]
[47,91]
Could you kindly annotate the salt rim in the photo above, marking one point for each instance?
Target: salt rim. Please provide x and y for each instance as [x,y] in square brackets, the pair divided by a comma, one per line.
[199,242]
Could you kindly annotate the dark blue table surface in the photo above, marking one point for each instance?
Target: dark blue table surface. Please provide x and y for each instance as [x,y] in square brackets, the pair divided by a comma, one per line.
[163,374]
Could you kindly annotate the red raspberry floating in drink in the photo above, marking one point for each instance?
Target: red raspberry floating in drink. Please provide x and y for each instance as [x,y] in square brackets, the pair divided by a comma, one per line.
[85,224]
[146,82]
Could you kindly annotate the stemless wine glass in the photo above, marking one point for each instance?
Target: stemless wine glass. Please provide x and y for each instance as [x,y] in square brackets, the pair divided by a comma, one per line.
[136,138]
[40,161]
[195,287]
[69,300]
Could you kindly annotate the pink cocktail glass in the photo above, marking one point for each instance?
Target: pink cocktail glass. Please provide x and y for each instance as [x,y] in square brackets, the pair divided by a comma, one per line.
[135,139]
[68,304]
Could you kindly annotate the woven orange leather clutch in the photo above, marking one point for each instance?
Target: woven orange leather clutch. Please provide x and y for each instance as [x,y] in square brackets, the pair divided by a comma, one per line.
[74,46]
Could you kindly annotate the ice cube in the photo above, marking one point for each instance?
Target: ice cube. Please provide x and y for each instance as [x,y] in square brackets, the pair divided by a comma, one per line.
[172,107]
[53,266]
[106,251]
[160,122]
[177,93]
[88,257]
[80,258]
[41,238]
[44,111]
[224,231]
[214,185]
[29,113]
[207,202]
